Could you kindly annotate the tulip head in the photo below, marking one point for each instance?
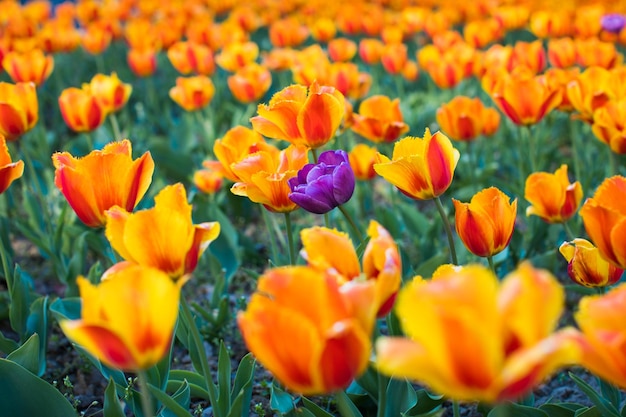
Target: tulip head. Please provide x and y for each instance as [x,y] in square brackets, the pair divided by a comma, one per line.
[362,159]
[19,109]
[110,91]
[193,93]
[586,266]
[82,111]
[552,196]
[9,170]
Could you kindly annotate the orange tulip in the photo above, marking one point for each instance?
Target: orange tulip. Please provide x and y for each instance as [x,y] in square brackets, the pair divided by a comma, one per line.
[410,72]
[163,237]
[188,57]
[559,79]
[362,159]
[595,53]
[110,91]
[103,179]
[586,266]
[589,91]
[393,58]
[491,121]
[81,109]
[528,54]
[237,55]
[379,119]
[96,39]
[562,52]
[250,83]
[609,125]
[128,320]
[263,177]
[525,99]
[287,32]
[329,346]
[346,78]
[323,29]
[235,145]
[32,66]
[604,216]
[341,49]
[371,50]
[471,338]
[19,109]
[58,36]
[331,251]
[552,196]
[551,24]
[485,224]
[392,34]
[600,318]
[480,33]
[463,118]
[193,93]
[421,168]
[446,72]
[310,119]
[142,62]
[9,170]
[210,179]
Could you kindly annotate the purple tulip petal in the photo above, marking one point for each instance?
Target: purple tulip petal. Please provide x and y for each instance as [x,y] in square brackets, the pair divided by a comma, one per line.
[310,204]
[343,183]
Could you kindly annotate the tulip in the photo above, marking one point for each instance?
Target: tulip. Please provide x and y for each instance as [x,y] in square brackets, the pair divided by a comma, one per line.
[604,217]
[328,347]
[525,99]
[193,93]
[462,118]
[447,72]
[96,39]
[110,91]
[613,22]
[370,50]
[19,109]
[318,188]
[362,159]
[471,338]
[586,266]
[379,119]
[589,91]
[485,224]
[421,168]
[480,33]
[264,175]
[142,62]
[190,57]
[163,237]
[32,66]
[393,58]
[552,196]
[208,180]
[128,320]
[82,111]
[595,53]
[237,55]
[235,145]
[287,32]
[250,83]
[529,54]
[332,251]
[9,170]
[609,125]
[346,78]
[103,179]
[600,318]
[551,24]
[310,119]
[562,52]
[323,29]
[57,36]
[342,49]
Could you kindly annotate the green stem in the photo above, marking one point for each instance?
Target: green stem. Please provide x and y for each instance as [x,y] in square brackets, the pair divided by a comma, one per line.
[117,134]
[456,410]
[355,228]
[520,164]
[613,169]
[383,381]
[399,84]
[89,139]
[568,231]
[575,155]
[292,250]
[314,152]
[5,266]
[268,225]
[146,402]
[531,148]
[491,264]
[327,220]
[197,340]
[448,229]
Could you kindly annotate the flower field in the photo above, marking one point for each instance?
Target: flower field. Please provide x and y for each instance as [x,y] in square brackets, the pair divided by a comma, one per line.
[301,208]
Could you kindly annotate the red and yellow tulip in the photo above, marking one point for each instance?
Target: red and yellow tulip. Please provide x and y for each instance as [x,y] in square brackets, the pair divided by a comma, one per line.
[191,57]
[552,196]
[250,83]
[9,170]
[31,66]
[110,91]
[362,159]
[585,265]
[193,93]
[235,145]
[379,119]
[103,179]
[19,109]
[81,109]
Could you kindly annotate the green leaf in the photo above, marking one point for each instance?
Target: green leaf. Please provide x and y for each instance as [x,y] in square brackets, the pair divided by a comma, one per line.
[610,392]
[589,412]
[242,387]
[27,355]
[20,301]
[416,222]
[426,403]
[38,323]
[280,401]
[512,409]
[429,266]
[604,406]
[226,247]
[345,406]
[401,397]
[24,394]
[561,409]
[7,345]
[112,406]
[196,391]
[223,380]
[182,396]
[315,409]
[169,402]
[191,376]
[368,381]
[66,308]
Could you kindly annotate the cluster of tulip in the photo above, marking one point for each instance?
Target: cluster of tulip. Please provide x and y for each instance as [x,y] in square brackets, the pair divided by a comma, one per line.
[332,131]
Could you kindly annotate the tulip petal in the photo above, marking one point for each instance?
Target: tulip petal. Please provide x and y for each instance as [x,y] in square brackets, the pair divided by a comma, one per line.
[330,249]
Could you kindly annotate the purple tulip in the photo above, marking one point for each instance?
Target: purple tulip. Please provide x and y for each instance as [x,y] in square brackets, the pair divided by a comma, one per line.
[613,22]
[319,188]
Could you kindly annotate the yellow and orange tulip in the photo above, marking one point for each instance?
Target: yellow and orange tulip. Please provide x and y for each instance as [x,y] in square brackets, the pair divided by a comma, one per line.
[250,83]
[103,179]
[193,93]
[552,196]
[379,119]
[142,62]
[362,159]
[32,66]
[562,52]
[342,49]
[110,91]
[82,111]
[328,347]
[263,177]
[465,118]
[485,224]
[332,251]
[235,145]
[19,109]
[237,55]
[127,321]
[9,170]
[421,168]
[210,179]
[163,237]
[191,57]
[604,216]
[585,265]
[609,125]
[96,39]
[300,117]
[513,349]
